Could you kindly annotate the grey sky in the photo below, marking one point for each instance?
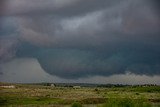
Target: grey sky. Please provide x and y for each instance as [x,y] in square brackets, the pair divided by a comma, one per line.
[25,70]
[75,39]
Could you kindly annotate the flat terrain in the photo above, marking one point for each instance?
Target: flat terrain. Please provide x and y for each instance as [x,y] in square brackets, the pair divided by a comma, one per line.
[26,95]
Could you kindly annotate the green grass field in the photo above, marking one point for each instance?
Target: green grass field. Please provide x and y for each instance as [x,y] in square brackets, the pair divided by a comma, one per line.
[46,96]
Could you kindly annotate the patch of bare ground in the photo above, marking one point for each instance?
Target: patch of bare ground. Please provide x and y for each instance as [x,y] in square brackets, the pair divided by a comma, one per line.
[154,100]
[93,100]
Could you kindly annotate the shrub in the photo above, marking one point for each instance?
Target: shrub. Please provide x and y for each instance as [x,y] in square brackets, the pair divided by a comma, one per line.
[76,104]
[126,102]
[137,93]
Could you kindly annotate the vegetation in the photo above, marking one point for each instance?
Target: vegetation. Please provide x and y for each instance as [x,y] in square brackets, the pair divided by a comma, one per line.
[76,104]
[126,102]
[48,96]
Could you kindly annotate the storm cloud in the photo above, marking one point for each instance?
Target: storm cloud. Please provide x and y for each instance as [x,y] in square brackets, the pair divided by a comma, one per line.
[83,38]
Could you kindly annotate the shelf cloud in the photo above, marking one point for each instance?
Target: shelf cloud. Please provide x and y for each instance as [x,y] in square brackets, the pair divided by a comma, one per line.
[83,38]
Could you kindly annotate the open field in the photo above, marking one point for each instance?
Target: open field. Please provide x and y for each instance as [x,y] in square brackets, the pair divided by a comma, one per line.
[26,95]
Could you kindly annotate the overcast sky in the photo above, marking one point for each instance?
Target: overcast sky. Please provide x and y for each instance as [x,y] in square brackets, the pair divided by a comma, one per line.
[91,41]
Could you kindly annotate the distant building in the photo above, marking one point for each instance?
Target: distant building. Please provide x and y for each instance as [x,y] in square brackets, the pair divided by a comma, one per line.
[76,87]
[8,86]
[53,85]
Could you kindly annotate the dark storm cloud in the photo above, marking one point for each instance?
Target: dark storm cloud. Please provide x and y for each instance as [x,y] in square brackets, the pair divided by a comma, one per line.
[8,39]
[79,38]
[60,7]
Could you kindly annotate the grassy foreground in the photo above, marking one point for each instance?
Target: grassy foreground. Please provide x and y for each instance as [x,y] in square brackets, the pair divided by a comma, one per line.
[46,96]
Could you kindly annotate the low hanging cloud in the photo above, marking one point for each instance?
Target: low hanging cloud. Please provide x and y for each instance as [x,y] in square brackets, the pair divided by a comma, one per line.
[79,38]
[7,49]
